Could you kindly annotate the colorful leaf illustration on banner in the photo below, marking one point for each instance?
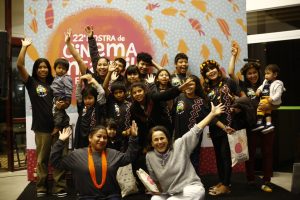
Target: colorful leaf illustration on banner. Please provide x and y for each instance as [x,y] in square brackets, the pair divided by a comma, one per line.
[182,47]
[164,60]
[241,23]
[65,3]
[197,26]
[208,16]
[161,34]
[149,20]
[205,52]
[32,52]
[199,4]
[49,15]
[218,46]
[235,7]
[179,1]
[224,27]
[171,11]
[33,24]
[152,6]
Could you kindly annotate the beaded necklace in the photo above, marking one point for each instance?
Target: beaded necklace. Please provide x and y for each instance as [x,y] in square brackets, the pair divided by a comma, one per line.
[92,168]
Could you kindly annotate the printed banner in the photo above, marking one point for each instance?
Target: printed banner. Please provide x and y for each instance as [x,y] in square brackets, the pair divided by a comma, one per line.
[200,28]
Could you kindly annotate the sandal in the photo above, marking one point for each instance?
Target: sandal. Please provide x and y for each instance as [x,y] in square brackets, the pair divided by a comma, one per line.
[215,187]
[266,187]
[221,190]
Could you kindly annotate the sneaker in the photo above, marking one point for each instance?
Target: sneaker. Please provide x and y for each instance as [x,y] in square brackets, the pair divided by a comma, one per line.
[258,127]
[266,187]
[41,194]
[268,129]
[61,194]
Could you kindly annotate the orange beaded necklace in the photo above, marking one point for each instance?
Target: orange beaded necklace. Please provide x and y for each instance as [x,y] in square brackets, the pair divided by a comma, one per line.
[92,168]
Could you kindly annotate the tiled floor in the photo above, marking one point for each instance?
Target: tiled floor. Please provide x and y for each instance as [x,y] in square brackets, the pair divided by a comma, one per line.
[17,181]
[12,184]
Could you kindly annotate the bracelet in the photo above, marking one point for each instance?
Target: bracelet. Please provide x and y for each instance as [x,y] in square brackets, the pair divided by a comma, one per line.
[225,127]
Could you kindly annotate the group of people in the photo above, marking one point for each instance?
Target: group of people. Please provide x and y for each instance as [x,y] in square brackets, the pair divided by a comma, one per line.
[128,114]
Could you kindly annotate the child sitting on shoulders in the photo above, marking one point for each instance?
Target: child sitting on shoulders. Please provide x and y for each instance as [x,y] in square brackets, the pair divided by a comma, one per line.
[270,93]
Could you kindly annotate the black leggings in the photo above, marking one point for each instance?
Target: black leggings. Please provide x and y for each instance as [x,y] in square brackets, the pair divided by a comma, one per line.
[223,158]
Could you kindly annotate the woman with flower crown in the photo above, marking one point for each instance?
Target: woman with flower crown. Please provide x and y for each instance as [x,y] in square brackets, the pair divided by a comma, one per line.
[220,89]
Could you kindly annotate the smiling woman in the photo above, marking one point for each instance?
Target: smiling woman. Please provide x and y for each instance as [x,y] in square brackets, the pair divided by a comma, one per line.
[94,168]
[170,166]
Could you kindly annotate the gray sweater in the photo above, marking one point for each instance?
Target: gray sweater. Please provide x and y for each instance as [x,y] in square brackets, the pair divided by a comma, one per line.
[177,170]
[62,87]
[77,163]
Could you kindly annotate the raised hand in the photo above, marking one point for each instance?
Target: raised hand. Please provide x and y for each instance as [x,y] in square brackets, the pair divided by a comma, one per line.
[234,50]
[185,85]
[112,66]
[217,110]
[89,31]
[26,42]
[68,35]
[65,134]
[134,129]
[150,78]
[114,76]
[87,77]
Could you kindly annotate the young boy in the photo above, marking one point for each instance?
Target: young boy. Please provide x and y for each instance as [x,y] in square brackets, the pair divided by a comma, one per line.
[62,91]
[270,93]
[181,64]
[143,62]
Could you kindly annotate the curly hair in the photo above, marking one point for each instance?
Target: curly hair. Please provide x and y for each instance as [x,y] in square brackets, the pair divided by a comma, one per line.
[204,68]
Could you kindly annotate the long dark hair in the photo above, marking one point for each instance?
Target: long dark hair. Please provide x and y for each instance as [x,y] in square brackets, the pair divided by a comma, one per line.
[131,69]
[35,67]
[138,84]
[245,69]
[198,89]
[169,85]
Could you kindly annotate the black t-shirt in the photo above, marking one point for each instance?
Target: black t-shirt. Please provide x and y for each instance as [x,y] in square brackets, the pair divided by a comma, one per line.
[187,112]
[120,111]
[266,89]
[41,97]
[250,92]
[177,79]
[224,93]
